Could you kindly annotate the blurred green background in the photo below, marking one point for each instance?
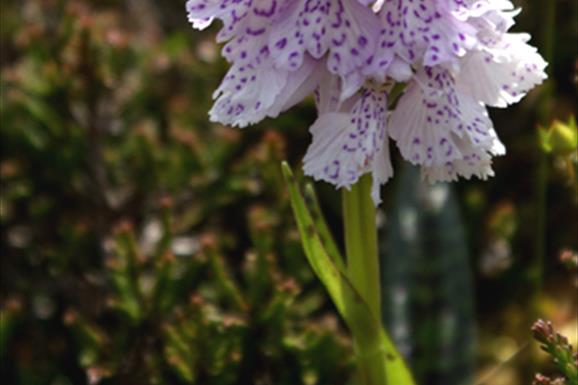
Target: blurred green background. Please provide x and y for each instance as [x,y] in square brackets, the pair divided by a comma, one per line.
[142,244]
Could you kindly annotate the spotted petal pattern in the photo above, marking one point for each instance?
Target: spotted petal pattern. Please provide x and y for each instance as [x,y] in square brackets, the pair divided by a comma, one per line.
[350,142]
[434,125]
[425,32]
[343,30]
[501,73]
[251,92]
[455,58]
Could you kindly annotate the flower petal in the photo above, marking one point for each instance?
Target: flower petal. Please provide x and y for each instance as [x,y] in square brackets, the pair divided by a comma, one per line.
[475,161]
[432,114]
[502,74]
[250,93]
[342,29]
[348,144]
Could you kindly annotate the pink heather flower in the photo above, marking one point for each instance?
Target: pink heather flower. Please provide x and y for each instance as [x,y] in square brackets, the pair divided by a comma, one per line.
[455,57]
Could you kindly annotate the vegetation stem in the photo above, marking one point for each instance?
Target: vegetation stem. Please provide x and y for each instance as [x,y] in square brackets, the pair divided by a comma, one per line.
[363,269]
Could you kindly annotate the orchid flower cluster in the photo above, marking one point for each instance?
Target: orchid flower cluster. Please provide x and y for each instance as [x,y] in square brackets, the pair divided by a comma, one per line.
[453,57]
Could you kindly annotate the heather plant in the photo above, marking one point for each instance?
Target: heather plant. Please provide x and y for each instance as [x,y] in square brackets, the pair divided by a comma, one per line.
[123,293]
[229,331]
[560,351]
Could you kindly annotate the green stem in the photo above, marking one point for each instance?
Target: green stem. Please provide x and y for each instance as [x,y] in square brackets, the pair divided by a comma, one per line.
[363,270]
[542,172]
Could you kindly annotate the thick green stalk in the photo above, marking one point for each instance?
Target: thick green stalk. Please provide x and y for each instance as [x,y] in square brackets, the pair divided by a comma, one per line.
[363,270]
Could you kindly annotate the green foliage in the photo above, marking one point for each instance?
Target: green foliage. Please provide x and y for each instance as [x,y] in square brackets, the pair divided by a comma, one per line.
[561,141]
[143,245]
[230,330]
[349,301]
[560,138]
[560,351]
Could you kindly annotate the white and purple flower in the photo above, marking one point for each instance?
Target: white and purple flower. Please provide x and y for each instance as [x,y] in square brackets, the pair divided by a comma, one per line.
[455,57]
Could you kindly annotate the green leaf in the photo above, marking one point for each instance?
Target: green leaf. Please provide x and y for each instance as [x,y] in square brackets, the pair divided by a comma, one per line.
[350,304]
[321,226]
